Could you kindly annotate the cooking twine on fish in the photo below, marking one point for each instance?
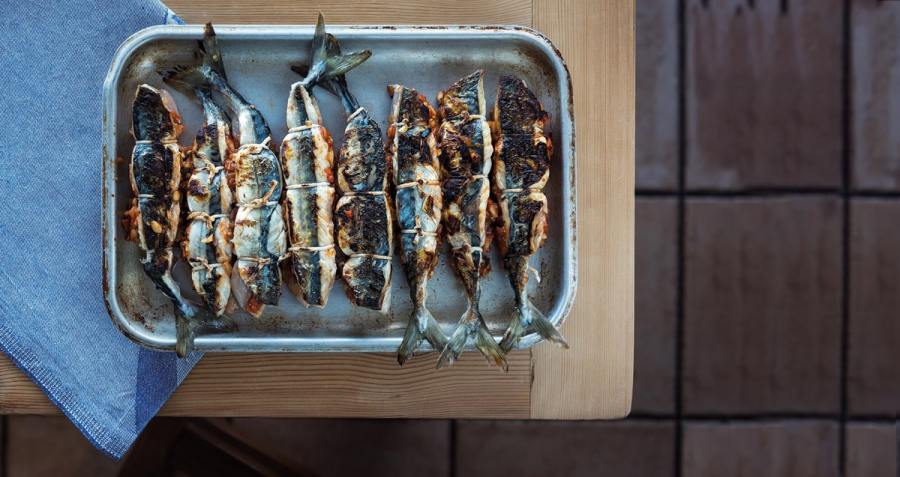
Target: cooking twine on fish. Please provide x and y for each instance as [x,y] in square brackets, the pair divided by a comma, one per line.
[201,263]
[156,141]
[418,182]
[264,200]
[309,185]
[358,110]
[372,255]
[301,128]
[521,189]
[301,248]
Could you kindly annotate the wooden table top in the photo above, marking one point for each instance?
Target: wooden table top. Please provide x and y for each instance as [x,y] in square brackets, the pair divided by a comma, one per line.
[592,380]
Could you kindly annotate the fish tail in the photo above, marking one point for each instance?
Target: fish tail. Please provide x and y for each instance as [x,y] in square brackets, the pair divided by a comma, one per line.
[472,325]
[528,318]
[422,325]
[185,332]
[188,324]
[329,66]
[187,78]
[212,57]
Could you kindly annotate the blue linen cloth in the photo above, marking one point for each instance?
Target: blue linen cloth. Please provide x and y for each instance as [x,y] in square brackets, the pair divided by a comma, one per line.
[53,322]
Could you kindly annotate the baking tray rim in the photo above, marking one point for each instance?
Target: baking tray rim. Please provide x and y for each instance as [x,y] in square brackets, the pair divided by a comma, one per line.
[215,343]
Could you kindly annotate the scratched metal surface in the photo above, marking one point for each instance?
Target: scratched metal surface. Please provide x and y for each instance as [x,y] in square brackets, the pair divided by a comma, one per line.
[257,60]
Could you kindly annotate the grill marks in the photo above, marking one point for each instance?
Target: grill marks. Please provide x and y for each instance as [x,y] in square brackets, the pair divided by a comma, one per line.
[419,200]
[362,214]
[521,171]
[465,158]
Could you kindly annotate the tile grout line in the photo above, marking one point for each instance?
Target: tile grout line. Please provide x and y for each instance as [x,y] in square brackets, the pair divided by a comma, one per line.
[846,148]
[680,253]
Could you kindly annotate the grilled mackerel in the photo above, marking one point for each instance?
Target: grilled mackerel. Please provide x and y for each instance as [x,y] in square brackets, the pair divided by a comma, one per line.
[259,237]
[465,158]
[155,172]
[521,170]
[362,214]
[307,162]
[414,157]
[210,200]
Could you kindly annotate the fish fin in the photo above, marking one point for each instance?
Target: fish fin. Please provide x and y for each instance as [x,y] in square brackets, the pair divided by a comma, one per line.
[546,329]
[536,322]
[319,45]
[185,77]
[422,325]
[303,70]
[472,325]
[339,65]
[186,327]
[184,334]
[212,57]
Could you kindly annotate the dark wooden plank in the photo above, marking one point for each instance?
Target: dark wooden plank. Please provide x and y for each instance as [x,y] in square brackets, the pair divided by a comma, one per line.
[875,94]
[764,93]
[762,303]
[656,147]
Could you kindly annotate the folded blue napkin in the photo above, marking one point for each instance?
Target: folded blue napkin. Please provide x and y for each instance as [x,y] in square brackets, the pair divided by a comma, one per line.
[53,323]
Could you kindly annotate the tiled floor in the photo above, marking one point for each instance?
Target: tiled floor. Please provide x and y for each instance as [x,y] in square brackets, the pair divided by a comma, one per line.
[768,224]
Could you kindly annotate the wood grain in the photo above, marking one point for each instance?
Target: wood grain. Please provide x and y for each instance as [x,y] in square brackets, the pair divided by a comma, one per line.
[593,379]
[316,385]
[466,12]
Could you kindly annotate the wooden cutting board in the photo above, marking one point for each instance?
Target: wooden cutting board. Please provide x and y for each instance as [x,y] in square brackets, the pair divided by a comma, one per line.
[592,380]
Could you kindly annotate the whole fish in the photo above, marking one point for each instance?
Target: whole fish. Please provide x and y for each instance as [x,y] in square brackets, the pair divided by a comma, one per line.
[465,158]
[210,200]
[307,160]
[521,170]
[259,237]
[362,213]
[414,158]
[155,173]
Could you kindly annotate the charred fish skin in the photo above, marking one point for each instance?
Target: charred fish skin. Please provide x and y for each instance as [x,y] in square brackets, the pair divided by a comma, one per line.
[155,177]
[363,214]
[210,200]
[259,239]
[155,172]
[465,158]
[419,201]
[521,170]
[307,158]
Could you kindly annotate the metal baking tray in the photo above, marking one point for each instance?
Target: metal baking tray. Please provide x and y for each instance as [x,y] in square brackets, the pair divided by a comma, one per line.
[428,58]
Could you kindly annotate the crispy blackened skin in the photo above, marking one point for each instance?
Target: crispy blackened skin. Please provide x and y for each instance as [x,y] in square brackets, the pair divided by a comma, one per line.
[364,223]
[419,203]
[465,157]
[307,161]
[523,161]
[520,112]
[462,99]
[364,208]
[155,177]
[362,166]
